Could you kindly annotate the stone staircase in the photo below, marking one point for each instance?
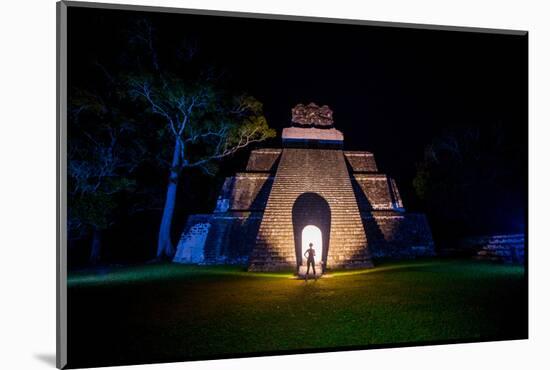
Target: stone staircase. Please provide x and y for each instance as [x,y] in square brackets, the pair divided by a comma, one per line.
[503,248]
[322,172]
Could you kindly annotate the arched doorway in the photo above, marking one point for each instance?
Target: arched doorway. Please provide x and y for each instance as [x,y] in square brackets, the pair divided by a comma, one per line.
[312,234]
[311,223]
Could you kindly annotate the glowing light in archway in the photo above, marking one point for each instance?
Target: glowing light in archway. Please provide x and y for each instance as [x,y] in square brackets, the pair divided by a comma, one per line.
[312,234]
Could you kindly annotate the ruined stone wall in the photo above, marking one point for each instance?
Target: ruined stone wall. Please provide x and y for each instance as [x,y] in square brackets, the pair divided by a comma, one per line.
[262,160]
[253,221]
[398,235]
[231,230]
[373,192]
[247,191]
[361,161]
[508,248]
[396,196]
[323,172]
[190,248]
[231,237]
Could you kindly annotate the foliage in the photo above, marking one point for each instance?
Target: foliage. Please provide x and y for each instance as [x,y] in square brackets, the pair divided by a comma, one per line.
[186,99]
[465,175]
[197,120]
[150,109]
[103,152]
[207,124]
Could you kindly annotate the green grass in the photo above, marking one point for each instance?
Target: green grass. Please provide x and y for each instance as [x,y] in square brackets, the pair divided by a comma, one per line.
[168,312]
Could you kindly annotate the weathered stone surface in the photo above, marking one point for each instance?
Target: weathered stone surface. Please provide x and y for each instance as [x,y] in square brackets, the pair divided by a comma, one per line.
[312,114]
[373,192]
[506,248]
[190,248]
[313,134]
[396,197]
[509,248]
[263,160]
[231,237]
[398,235]
[245,191]
[361,161]
[261,213]
[376,192]
[317,171]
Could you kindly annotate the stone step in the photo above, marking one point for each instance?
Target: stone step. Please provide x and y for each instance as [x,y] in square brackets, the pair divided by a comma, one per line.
[293,178]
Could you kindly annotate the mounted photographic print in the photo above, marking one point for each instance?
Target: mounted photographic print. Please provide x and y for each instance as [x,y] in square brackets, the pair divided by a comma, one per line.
[236,185]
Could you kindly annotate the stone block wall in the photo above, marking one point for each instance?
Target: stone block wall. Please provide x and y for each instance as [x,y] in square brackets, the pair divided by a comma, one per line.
[361,161]
[373,192]
[246,191]
[503,248]
[260,213]
[263,160]
[231,237]
[506,248]
[398,235]
[190,248]
[318,171]
[396,197]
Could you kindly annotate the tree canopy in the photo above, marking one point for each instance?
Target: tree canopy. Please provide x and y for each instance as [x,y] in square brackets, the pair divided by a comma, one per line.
[468,181]
[156,108]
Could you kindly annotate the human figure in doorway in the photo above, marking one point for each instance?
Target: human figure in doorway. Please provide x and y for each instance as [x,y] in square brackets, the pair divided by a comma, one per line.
[310,255]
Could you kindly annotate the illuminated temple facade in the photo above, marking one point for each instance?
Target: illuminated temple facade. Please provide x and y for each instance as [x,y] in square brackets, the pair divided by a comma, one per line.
[308,191]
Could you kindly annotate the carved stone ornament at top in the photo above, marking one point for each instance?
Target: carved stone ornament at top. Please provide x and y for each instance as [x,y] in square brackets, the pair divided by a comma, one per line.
[312,115]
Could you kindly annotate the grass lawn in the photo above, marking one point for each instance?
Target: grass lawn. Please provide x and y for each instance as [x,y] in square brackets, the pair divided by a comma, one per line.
[169,312]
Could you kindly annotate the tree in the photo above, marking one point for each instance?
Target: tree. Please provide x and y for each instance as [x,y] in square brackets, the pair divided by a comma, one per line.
[199,122]
[102,155]
[470,180]
[202,125]
[190,121]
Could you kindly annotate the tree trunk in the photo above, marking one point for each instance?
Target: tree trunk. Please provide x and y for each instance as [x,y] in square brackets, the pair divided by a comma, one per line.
[95,252]
[165,247]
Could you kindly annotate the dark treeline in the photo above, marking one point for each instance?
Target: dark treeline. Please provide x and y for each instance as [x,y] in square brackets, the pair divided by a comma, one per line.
[146,123]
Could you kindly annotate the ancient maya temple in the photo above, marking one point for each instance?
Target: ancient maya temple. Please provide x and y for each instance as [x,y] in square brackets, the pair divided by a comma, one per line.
[309,191]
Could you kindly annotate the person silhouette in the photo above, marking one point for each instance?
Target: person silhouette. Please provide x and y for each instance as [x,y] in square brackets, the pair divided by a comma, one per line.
[310,255]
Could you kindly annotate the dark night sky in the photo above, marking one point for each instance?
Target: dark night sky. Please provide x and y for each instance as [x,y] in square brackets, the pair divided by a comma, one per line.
[391,89]
[388,87]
